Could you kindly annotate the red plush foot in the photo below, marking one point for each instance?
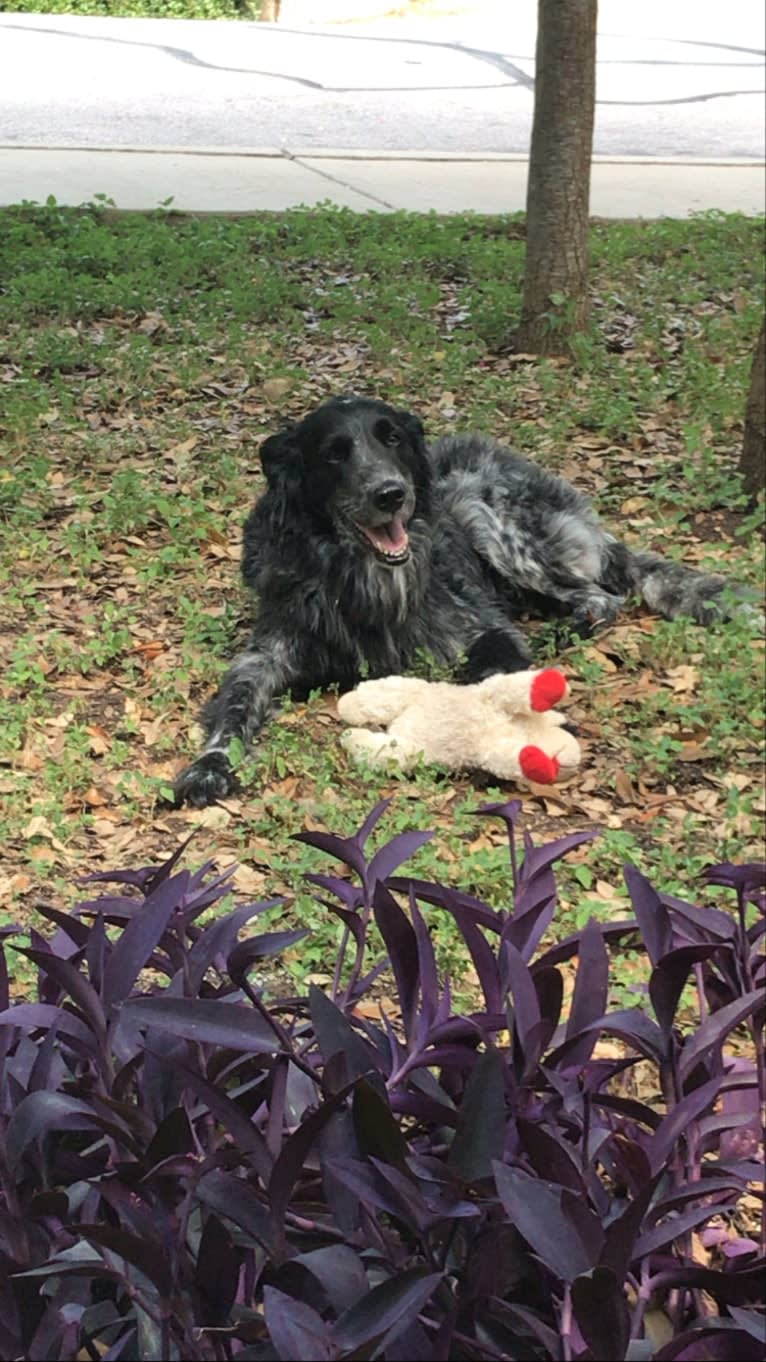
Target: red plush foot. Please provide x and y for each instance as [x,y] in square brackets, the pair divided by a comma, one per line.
[547,689]
[536,766]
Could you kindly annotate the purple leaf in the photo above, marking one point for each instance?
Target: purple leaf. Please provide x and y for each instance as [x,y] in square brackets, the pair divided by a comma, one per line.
[288,1168]
[429,981]
[551,1158]
[134,1249]
[38,1114]
[342,848]
[716,1028]
[386,1311]
[665,1137]
[77,932]
[620,1234]
[672,1229]
[752,1322]
[206,1021]
[711,1343]
[219,938]
[480,1135]
[742,877]
[651,914]
[700,923]
[399,849]
[601,1311]
[295,1329]
[375,1192]
[232,1198]
[442,897]
[72,981]
[377,1133]
[140,937]
[738,1101]
[590,992]
[340,1272]
[245,953]
[570,945]
[536,1209]
[526,1009]
[247,1139]
[348,893]
[401,944]
[540,859]
[632,1025]
[526,929]
[371,821]
[216,1274]
[668,978]
[335,1034]
[41,1016]
[481,954]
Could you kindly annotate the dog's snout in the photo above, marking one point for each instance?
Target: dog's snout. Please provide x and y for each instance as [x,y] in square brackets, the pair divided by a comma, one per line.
[389,496]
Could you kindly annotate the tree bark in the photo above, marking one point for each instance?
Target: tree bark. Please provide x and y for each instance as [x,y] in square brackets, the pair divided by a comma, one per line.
[270,11]
[752,463]
[555,298]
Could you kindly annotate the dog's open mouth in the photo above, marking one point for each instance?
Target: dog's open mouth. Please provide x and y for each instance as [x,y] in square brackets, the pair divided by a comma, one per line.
[390,543]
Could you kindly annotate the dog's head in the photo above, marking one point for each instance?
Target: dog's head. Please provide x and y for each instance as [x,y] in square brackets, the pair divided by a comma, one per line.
[358,466]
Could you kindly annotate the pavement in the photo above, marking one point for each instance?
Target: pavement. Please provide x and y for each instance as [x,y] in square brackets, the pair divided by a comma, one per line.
[206,182]
[429,114]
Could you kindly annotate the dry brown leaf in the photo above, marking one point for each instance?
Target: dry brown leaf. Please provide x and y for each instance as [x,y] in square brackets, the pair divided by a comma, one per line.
[683,679]
[695,751]
[28,759]
[624,787]
[185,447]
[248,880]
[274,388]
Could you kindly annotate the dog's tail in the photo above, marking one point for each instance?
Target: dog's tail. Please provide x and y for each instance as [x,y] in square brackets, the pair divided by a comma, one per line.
[671,589]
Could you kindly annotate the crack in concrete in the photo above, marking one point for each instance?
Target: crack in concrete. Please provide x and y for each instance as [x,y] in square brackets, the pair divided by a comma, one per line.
[335,179]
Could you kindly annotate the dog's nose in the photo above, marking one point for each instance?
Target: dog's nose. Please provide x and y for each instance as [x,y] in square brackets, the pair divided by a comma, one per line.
[389,496]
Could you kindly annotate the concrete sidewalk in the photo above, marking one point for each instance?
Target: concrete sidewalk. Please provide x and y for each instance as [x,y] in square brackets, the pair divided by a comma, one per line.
[211,180]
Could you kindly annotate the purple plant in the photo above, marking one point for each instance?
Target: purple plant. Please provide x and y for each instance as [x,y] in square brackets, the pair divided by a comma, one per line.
[190,1169]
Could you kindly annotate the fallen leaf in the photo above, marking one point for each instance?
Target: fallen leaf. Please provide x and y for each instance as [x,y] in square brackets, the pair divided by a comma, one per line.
[624,787]
[274,388]
[683,679]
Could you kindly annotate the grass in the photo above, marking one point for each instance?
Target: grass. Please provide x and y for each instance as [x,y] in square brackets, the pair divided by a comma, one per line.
[143,360]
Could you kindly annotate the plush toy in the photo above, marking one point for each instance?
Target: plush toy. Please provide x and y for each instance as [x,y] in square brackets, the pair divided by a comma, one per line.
[505,725]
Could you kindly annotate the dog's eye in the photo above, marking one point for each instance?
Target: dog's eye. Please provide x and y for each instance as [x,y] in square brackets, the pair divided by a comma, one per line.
[388,434]
[338,450]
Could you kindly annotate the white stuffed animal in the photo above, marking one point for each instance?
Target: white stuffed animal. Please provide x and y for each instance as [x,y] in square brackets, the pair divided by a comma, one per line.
[505,725]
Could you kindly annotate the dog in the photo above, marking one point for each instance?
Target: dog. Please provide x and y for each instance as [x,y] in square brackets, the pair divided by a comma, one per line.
[369,549]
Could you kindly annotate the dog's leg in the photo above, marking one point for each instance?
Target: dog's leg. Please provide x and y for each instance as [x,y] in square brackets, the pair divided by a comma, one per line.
[496,650]
[239,708]
[671,589]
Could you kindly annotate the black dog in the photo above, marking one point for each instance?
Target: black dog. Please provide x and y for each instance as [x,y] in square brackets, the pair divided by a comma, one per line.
[367,549]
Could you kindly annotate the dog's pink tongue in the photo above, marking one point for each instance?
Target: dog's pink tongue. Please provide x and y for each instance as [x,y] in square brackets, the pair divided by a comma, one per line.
[393,537]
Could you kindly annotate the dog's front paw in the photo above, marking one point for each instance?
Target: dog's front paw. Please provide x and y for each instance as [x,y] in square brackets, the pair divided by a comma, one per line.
[597,610]
[208,778]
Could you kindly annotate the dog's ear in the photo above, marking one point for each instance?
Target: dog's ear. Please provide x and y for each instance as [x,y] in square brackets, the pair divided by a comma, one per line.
[281,458]
[413,426]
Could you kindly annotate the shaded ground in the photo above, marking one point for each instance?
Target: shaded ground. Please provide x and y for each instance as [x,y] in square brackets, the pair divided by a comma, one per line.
[156,353]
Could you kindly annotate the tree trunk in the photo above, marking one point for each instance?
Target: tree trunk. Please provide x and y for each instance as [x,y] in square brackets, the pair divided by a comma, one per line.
[752,463]
[555,299]
[270,11]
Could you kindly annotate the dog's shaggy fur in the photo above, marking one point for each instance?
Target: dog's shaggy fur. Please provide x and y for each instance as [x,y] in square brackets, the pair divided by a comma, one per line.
[367,549]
